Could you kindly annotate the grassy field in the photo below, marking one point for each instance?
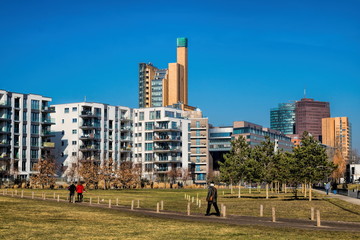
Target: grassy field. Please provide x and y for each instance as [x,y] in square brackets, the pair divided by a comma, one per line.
[35,219]
[247,205]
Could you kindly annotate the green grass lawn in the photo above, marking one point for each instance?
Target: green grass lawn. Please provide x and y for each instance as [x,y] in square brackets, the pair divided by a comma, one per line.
[36,219]
[247,205]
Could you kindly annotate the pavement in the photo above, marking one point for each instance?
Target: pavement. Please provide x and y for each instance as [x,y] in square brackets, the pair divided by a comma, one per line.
[352,200]
[229,219]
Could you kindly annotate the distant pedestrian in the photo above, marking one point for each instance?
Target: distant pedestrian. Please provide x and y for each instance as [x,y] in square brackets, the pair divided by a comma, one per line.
[334,187]
[327,188]
[211,198]
[80,189]
[72,189]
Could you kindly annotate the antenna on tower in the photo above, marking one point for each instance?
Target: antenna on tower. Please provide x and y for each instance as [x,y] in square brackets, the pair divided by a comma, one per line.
[84,98]
[304,92]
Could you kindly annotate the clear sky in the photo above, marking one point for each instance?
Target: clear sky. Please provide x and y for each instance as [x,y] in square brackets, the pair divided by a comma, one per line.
[245,56]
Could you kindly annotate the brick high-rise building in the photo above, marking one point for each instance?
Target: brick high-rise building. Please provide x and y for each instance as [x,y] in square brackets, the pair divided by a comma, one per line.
[308,115]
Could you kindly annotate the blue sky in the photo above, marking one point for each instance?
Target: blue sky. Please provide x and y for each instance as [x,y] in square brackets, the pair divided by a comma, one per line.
[244,56]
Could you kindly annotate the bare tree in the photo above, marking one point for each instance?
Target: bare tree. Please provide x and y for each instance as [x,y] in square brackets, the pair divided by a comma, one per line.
[89,172]
[128,175]
[44,172]
[173,174]
[107,172]
[185,175]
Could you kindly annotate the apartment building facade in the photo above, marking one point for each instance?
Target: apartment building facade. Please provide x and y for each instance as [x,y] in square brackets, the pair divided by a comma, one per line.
[161,143]
[219,144]
[86,131]
[336,133]
[25,133]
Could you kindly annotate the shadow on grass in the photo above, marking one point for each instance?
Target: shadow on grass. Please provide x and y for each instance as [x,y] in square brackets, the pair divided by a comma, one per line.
[252,197]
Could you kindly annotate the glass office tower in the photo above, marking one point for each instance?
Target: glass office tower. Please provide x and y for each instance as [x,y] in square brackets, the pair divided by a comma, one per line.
[282,118]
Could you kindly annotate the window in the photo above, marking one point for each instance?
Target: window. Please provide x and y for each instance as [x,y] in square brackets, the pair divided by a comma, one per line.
[169,114]
[34,154]
[35,129]
[148,146]
[62,132]
[35,104]
[197,133]
[141,116]
[74,131]
[24,116]
[148,136]
[73,142]
[197,124]
[74,120]
[173,125]
[35,117]
[62,121]
[74,109]
[148,157]
[62,143]
[34,141]
[197,141]
[66,110]
[73,154]
[149,126]
[158,115]
[152,115]
[198,150]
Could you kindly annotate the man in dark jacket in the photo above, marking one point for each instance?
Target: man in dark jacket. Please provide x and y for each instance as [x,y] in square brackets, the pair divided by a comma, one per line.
[212,199]
[72,189]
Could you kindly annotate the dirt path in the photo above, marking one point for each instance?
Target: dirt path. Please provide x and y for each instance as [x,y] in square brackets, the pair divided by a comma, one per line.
[230,219]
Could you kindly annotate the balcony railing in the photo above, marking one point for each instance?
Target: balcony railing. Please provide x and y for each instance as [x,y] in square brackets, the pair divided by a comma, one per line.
[90,147]
[5,104]
[127,128]
[5,117]
[48,144]
[48,120]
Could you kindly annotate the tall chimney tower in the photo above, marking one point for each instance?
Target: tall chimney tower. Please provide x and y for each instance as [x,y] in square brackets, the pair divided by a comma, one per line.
[182,60]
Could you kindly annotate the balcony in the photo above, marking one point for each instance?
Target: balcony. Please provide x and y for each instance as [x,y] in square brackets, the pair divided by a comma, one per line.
[47,121]
[4,143]
[202,135]
[126,149]
[48,145]
[168,159]
[90,126]
[167,139]
[95,137]
[47,134]
[126,139]
[198,127]
[4,156]
[126,129]
[5,104]
[201,144]
[5,130]
[89,148]
[167,149]
[166,129]
[202,153]
[48,109]
[5,117]
[125,119]
[89,114]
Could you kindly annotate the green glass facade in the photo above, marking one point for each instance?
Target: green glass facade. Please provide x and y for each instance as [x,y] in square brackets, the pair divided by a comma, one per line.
[282,118]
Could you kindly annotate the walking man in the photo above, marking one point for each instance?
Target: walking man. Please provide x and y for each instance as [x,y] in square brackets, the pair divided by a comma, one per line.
[80,189]
[327,188]
[72,189]
[212,200]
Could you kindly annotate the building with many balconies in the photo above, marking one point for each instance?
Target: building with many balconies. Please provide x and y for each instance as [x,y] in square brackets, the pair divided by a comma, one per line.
[92,132]
[161,143]
[25,133]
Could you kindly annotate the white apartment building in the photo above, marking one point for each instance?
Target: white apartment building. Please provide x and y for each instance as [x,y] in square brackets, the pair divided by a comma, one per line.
[25,132]
[93,132]
[161,142]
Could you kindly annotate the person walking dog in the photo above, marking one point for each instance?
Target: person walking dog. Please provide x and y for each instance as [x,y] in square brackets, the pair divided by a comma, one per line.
[212,200]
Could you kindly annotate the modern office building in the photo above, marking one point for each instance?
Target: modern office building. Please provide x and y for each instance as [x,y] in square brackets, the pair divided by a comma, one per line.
[95,132]
[308,115]
[282,118]
[201,166]
[219,144]
[165,87]
[336,133]
[255,134]
[25,132]
[161,143]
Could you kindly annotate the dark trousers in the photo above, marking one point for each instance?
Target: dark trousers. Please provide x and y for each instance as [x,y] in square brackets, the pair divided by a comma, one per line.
[80,197]
[215,206]
[72,194]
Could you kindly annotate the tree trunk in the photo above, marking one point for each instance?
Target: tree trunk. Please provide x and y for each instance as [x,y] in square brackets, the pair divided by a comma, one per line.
[259,188]
[305,190]
[310,193]
[285,188]
[239,196]
[267,190]
[250,188]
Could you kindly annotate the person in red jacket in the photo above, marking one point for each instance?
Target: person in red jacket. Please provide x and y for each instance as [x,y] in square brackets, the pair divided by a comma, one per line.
[79,190]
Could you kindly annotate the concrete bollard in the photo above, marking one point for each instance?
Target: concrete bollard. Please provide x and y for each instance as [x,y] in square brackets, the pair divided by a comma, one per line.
[98,200]
[12,193]
[273,215]
[90,201]
[15,192]
[162,205]
[117,201]
[312,214]
[199,203]
[132,204]
[157,207]
[54,196]
[44,196]
[221,207]
[138,203]
[22,193]
[197,197]
[67,198]
[318,221]
[73,199]
[32,195]
[188,209]
[261,210]
[185,196]
[109,203]
[58,198]
[224,211]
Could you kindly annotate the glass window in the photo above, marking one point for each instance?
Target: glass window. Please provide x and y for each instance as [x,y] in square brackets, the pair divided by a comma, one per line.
[62,120]
[74,131]
[35,129]
[173,125]
[148,136]
[74,109]
[34,154]
[66,110]
[152,115]
[158,114]
[148,157]
[149,126]
[73,154]
[141,116]
[197,150]
[148,146]
[35,104]
[197,124]
[74,120]
[197,133]
[35,117]
[169,114]
[73,142]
